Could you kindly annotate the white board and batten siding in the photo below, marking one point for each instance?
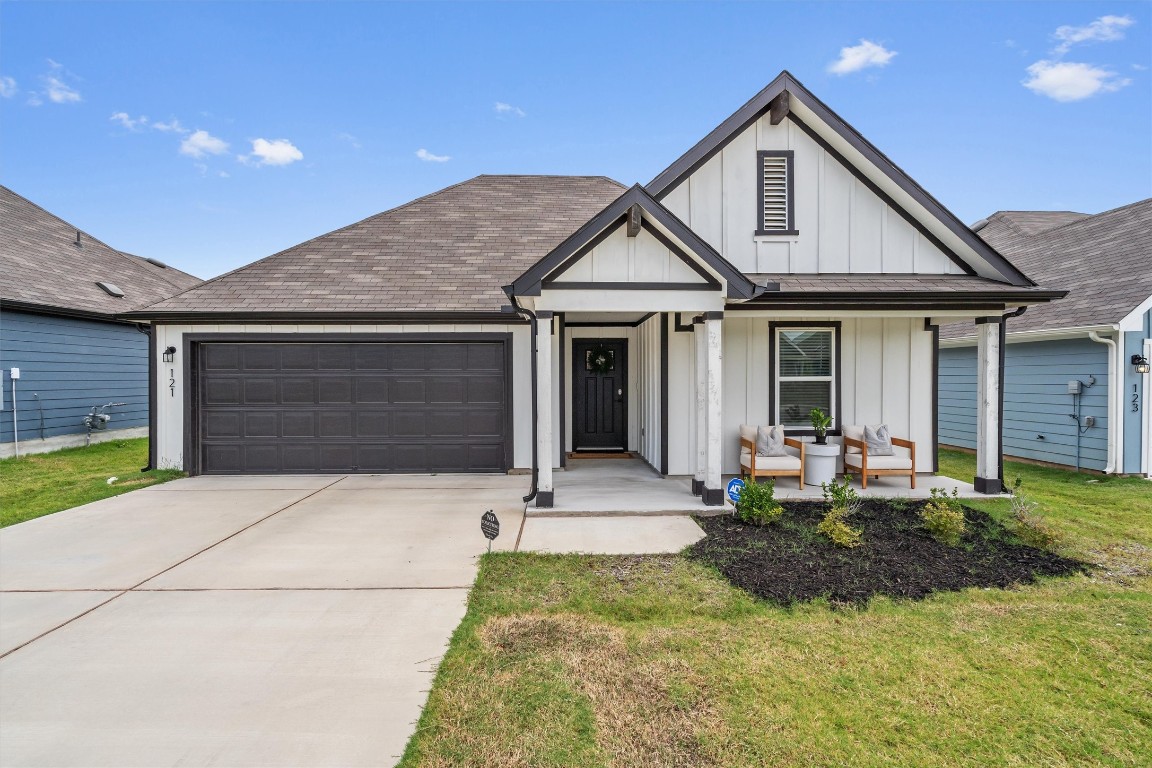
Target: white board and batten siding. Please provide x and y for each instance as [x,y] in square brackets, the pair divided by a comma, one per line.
[170,391]
[635,383]
[619,258]
[843,226]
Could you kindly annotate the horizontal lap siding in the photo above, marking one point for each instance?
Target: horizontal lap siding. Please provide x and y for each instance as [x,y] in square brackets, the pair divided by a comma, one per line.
[1036,400]
[71,365]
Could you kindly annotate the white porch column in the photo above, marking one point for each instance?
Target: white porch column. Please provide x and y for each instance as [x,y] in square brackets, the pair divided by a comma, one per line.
[989,396]
[713,493]
[544,490]
[700,338]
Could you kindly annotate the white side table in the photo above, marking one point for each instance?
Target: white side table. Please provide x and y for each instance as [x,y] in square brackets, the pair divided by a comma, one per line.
[820,463]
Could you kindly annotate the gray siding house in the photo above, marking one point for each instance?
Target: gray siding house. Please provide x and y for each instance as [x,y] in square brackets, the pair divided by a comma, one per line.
[61,292]
[1074,394]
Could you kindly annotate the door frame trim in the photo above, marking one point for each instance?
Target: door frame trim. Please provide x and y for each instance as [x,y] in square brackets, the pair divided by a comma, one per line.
[191,352]
[593,340]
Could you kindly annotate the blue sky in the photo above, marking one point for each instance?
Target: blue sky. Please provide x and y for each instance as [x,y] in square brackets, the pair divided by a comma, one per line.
[210,134]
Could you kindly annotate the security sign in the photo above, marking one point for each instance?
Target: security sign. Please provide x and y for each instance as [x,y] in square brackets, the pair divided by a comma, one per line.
[735,485]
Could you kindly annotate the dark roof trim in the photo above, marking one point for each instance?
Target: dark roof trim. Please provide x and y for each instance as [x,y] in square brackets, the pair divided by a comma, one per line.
[633,286]
[297,317]
[530,283]
[881,300]
[761,103]
[47,309]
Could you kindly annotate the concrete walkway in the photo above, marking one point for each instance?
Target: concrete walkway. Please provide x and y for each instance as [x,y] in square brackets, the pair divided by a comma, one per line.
[288,621]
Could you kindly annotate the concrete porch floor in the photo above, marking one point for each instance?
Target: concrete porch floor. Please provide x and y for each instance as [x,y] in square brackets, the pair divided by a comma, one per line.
[629,487]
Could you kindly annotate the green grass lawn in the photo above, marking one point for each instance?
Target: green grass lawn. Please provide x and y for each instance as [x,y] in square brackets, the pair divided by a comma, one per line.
[657,661]
[40,484]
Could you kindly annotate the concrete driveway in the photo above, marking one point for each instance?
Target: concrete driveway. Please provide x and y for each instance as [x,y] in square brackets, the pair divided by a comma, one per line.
[274,621]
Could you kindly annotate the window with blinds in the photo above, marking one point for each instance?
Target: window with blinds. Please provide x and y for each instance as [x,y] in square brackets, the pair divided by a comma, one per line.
[776,198]
[805,369]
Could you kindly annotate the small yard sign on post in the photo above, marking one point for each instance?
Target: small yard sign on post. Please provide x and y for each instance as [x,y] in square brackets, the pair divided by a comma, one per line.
[735,485]
[490,527]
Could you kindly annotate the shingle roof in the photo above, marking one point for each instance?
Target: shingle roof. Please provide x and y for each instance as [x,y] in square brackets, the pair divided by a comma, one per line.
[1105,260]
[449,251]
[43,266]
[1005,229]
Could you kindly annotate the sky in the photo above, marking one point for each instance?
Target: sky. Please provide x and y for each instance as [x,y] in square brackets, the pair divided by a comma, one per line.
[212,134]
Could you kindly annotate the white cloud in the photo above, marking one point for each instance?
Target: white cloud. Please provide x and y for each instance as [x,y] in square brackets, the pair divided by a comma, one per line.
[172,126]
[126,121]
[275,152]
[503,108]
[202,143]
[1071,81]
[857,57]
[55,89]
[351,140]
[428,157]
[7,87]
[1102,30]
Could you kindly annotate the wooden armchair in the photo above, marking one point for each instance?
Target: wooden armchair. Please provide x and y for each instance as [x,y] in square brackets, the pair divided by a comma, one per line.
[856,458]
[755,466]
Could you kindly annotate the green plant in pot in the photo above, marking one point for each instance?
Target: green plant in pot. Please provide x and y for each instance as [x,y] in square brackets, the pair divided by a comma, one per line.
[820,424]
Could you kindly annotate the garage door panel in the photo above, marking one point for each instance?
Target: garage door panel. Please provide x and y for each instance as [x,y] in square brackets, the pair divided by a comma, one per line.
[422,406]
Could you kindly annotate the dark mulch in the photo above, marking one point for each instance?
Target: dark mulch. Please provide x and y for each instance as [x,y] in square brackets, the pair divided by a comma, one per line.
[789,561]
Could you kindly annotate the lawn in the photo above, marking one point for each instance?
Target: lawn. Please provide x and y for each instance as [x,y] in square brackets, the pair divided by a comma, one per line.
[40,484]
[658,661]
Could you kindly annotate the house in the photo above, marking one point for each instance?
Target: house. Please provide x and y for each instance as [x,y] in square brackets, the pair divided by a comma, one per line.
[501,324]
[1074,393]
[63,348]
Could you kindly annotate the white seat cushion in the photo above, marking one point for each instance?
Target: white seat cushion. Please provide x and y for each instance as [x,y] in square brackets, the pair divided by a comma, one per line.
[770,463]
[879,462]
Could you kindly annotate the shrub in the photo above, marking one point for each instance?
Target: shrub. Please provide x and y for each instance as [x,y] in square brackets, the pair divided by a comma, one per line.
[842,496]
[757,504]
[845,503]
[944,517]
[1030,526]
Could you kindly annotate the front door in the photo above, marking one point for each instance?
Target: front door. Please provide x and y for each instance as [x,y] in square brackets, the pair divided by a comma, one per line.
[599,381]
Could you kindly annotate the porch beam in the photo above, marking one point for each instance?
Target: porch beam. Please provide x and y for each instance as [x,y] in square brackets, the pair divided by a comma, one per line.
[713,493]
[701,341]
[989,403]
[544,437]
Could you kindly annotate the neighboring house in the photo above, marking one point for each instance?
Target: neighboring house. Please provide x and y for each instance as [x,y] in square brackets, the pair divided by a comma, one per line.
[1092,341]
[783,263]
[60,293]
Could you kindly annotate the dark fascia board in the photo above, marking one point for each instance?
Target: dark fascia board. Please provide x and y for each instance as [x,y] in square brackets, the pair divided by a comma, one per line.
[530,283]
[424,318]
[940,298]
[79,314]
[759,104]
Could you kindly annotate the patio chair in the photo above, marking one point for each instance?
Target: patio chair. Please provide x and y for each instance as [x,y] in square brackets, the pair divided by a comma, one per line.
[856,457]
[755,466]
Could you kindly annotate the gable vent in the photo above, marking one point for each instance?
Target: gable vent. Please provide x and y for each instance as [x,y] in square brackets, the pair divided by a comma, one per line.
[776,204]
[111,290]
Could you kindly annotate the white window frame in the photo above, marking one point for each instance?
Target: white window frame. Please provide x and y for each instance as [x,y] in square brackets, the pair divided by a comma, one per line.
[833,378]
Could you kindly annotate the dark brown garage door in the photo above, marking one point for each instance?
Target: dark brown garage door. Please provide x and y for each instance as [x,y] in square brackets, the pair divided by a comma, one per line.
[352,407]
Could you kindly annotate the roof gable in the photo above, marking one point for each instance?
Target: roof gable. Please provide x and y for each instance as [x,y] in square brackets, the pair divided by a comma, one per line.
[786,98]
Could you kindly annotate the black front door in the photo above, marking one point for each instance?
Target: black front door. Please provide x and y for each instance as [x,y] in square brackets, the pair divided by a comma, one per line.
[599,381]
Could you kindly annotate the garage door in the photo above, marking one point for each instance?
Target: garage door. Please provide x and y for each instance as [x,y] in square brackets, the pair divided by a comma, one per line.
[352,407]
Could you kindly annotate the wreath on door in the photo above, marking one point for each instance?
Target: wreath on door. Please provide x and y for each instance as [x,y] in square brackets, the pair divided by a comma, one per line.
[600,359]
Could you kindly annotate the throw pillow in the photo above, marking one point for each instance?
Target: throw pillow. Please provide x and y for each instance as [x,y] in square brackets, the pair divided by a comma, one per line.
[770,441]
[878,440]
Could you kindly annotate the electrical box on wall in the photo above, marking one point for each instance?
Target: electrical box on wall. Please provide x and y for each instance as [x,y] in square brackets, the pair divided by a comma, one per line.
[1074,387]
[14,373]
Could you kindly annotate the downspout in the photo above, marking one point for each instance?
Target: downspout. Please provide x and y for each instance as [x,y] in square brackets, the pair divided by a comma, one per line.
[147,331]
[1003,354]
[535,416]
[1114,376]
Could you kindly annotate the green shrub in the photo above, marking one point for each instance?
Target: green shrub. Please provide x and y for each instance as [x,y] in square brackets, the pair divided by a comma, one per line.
[944,517]
[842,496]
[845,502]
[1029,525]
[757,504]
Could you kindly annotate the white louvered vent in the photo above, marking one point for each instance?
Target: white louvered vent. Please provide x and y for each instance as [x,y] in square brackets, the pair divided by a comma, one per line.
[775,180]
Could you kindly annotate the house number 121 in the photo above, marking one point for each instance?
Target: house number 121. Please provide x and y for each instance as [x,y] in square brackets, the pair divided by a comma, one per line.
[172,381]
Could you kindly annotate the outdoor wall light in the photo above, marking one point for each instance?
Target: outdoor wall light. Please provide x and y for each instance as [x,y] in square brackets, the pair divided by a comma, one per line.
[169,354]
[1141,363]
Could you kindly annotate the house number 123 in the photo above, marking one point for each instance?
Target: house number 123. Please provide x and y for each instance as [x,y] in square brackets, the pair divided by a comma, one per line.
[1135,400]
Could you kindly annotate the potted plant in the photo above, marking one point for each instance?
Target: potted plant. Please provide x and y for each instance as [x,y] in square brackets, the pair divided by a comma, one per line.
[820,423]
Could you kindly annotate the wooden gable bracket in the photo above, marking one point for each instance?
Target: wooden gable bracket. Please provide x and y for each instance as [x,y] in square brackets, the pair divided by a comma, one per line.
[778,108]
[635,219]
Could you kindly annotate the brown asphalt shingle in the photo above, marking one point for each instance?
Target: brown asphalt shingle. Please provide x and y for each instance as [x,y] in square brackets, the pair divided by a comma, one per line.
[41,264]
[449,251]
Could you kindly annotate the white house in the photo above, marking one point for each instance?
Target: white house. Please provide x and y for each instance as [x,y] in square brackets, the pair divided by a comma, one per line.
[781,264]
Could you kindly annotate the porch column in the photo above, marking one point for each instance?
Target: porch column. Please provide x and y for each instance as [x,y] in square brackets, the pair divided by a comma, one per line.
[544,490]
[713,494]
[989,404]
[701,414]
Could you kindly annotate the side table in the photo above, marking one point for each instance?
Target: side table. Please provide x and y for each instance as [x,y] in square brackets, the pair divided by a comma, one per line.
[820,463]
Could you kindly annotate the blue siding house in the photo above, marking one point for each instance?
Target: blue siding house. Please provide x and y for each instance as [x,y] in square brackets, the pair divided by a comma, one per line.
[59,301]
[1074,391]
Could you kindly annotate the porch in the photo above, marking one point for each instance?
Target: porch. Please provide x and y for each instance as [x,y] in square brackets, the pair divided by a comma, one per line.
[595,487]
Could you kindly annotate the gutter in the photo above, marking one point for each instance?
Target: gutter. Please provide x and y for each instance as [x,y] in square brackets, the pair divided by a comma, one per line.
[1003,354]
[519,310]
[1115,381]
[146,329]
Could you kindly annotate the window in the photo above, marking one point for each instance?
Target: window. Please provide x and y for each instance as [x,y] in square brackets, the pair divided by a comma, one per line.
[777,211]
[805,364]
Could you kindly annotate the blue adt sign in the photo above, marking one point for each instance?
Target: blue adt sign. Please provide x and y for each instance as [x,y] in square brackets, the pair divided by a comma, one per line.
[734,486]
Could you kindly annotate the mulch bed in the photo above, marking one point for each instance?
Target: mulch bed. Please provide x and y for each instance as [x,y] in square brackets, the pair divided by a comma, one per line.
[789,561]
